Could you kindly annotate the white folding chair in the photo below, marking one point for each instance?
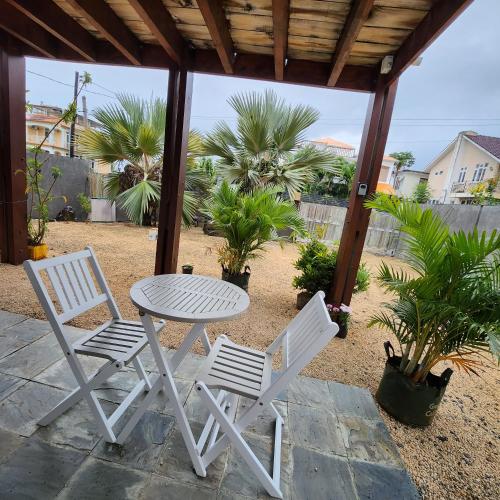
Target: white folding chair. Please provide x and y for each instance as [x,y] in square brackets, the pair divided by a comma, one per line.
[238,370]
[66,287]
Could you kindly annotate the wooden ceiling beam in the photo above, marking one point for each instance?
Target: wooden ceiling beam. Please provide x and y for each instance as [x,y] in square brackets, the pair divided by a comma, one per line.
[54,20]
[161,24]
[32,35]
[432,25]
[215,19]
[103,18]
[358,15]
[281,18]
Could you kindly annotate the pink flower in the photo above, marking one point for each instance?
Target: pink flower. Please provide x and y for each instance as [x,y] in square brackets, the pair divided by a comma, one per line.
[345,309]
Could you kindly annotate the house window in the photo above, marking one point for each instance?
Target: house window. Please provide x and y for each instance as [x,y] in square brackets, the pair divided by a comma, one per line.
[440,172]
[461,175]
[479,172]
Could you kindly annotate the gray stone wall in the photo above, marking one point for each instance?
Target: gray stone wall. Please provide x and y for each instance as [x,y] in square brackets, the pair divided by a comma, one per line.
[74,180]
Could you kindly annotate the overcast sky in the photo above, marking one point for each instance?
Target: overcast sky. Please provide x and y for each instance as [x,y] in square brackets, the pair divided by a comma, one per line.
[457,87]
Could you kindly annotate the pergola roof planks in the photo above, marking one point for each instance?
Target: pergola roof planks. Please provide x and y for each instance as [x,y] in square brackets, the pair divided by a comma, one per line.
[327,43]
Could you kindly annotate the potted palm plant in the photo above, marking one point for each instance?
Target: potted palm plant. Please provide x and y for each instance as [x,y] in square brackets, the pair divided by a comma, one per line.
[445,310]
[248,222]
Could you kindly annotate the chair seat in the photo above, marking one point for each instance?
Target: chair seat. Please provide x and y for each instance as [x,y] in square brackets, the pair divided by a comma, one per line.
[118,340]
[237,369]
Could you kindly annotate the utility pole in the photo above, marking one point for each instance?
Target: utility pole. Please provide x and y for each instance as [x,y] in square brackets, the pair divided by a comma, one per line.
[73,122]
[85,112]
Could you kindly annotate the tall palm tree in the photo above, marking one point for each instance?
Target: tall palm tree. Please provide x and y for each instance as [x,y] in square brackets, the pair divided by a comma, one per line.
[131,137]
[266,147]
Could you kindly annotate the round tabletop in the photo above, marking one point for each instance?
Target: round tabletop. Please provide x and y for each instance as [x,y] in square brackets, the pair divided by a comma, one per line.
[189,298]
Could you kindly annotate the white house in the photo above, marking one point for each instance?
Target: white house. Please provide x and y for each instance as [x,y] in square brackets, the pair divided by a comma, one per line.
[469,160]
[406,181]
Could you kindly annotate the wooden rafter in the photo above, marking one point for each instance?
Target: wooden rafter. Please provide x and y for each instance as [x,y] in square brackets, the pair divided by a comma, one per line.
[31,34]
[358,15]
[111,27]
[159,21]
[215,19]
[281,16]
[433,24]
[54,20]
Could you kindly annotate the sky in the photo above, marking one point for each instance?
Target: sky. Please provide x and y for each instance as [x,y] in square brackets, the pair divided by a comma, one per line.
[456,87]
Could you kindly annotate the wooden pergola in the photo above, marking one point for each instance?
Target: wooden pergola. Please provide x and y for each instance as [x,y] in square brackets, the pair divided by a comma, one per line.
[338,44]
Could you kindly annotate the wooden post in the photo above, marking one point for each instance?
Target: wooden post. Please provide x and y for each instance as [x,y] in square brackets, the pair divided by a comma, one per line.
[376,130]
[13,206]
[180,90]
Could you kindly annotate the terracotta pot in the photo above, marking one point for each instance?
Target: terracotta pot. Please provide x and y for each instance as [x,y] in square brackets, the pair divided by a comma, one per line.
[38,252]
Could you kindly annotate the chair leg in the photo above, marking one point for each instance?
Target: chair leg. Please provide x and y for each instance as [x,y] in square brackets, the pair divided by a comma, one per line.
[139,368]
[227,426]
[69,401]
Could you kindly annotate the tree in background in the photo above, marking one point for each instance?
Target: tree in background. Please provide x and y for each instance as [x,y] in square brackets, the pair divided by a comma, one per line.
[421,193]
[131,138]
[336,182]
[265,149]
[405,159]
[484,192]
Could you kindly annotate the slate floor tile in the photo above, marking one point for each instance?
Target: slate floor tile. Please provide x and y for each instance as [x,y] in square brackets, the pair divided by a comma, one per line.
[309,391]
[189,367]
[368,440]
[8,319]
[97,480]
[147,359]
[143,447]
[76,427]
[37,470]
[9,384]
[32,359]
[23,408]
[60,375]
[320,477]
[162,487]
[175,463]
[315,428]
[378,482]
[9,345]
[239,479]
[351,400]
[264,424]
[9,442]
[29,330]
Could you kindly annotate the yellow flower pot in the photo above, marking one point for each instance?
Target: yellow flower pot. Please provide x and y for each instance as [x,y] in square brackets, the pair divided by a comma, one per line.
[38,252]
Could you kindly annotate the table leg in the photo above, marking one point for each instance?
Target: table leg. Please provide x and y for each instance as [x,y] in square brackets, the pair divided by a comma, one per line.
[197,331]
[165,369]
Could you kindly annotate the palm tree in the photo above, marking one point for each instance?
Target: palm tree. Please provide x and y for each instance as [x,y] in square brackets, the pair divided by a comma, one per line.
[447,309]
[248,222]
[131,137]
[266,147]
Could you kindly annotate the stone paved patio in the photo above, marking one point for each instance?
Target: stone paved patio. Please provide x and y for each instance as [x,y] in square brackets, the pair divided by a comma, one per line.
[335,445]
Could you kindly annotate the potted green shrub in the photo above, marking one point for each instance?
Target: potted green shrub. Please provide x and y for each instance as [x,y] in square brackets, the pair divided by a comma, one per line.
[187,268]
[248,222]
[317,264]
[445,310]
[85,205]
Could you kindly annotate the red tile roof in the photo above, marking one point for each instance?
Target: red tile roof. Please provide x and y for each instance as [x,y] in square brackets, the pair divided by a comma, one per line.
[329,141]
[491,144]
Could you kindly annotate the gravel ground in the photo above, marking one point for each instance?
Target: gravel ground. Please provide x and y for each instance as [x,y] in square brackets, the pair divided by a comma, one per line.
[457,457]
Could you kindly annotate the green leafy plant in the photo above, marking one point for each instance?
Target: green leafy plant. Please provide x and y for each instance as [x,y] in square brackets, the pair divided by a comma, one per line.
[483,193]
[248,222]
[336,182]
[131,138]
[421,194]
[447,308]
[317,264]
[405,159]
[85,203]
[265,148]
[40,197]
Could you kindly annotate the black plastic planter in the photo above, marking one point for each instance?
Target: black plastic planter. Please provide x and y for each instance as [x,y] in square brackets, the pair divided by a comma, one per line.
[240,279]
[410,403]
[187,269]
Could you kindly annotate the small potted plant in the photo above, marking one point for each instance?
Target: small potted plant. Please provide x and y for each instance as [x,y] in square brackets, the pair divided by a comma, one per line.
[40,194]
[248,222]
[445,310]
[341,315]
[85,205]
[317,265]
[187,269]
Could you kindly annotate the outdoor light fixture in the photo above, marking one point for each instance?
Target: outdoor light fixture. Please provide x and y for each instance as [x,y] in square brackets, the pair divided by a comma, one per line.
[386,65]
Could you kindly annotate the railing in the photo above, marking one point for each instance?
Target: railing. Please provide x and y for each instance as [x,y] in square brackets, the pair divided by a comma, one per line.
[464,187]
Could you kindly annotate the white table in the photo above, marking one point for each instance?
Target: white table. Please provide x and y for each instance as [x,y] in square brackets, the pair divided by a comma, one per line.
[191,299]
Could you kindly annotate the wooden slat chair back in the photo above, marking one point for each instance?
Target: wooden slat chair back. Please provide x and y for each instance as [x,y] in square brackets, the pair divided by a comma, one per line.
[237,370]
[68,286]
